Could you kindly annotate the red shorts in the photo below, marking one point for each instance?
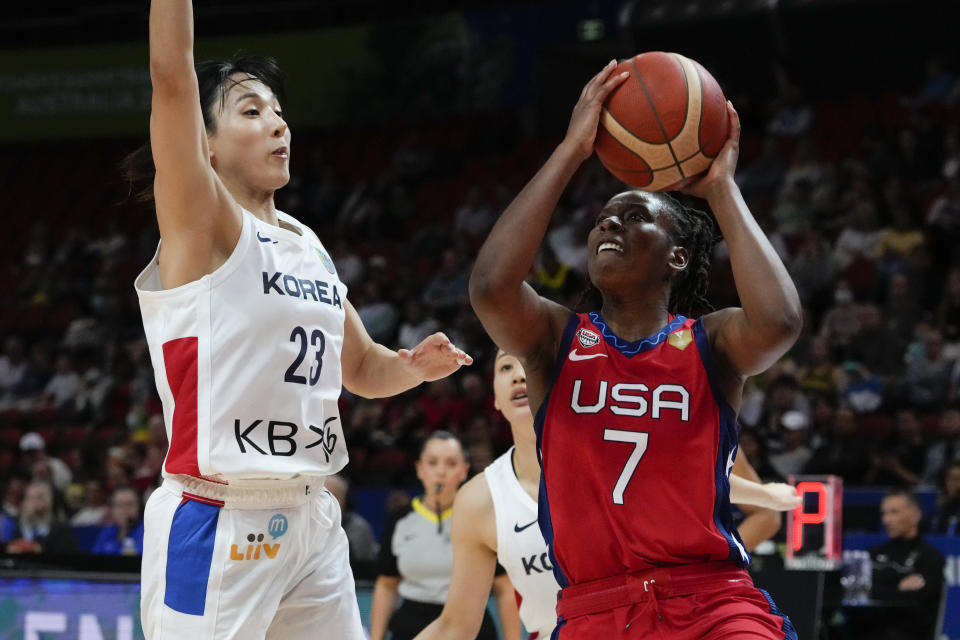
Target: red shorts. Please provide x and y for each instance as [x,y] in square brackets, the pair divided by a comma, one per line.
[717,601]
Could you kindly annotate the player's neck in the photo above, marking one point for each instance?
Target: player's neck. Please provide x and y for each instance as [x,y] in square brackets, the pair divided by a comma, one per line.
[634,319]
[259,203]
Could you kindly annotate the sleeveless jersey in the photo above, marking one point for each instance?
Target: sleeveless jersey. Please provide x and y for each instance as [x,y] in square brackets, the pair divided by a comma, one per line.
[637,443]
[247,359]
[521,549]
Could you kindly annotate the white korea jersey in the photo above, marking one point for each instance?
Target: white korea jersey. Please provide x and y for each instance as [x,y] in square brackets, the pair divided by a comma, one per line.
[247,359]
[521,549]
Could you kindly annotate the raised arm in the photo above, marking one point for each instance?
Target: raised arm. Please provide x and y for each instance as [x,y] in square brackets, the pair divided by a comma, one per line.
[515,317]
[474,562]
[199,221]
[750,338]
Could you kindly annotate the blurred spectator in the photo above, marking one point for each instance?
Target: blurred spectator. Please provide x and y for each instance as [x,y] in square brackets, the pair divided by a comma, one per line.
[62,388]
[841,322]
[474,217]
[948,312]
[927,379]
[864,392]
[441,405]
[363,544]
[874,345]
[33,450]
[379,317]
[755,449]
[447,289]
[782,394]
[901,305]
[906,570]
[555,279]
[38,529]
[843,452]
[124,536]
[813,269]
[794,430]
[900,241]
[821,376]
[416,325]
[94,509]
[349,264]
[946,519]
[857,247]
[794,211]
[13,366]
[946,449]
[898,460]
[13,495]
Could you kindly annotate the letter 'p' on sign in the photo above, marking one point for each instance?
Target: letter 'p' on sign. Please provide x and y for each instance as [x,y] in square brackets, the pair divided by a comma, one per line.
[814,533]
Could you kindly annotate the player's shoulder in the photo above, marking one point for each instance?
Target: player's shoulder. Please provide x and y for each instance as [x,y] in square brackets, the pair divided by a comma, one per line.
[474,497]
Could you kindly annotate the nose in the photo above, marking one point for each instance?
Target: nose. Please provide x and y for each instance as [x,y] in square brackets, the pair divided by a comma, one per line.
[611,223]
[281,127]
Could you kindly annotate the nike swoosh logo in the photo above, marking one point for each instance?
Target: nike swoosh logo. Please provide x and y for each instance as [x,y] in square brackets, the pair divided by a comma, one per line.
[585,356]
[518,528]
[262,239]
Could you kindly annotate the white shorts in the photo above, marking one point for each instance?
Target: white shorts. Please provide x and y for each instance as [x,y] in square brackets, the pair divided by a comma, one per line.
[246,562]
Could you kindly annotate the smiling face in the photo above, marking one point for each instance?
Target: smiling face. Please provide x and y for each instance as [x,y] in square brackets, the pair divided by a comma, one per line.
[250,145]
[632,243]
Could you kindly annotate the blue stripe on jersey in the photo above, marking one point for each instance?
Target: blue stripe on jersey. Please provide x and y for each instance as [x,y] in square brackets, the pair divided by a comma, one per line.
[789,632]
[543,503]
[631,349]
[189,555]
[726,452]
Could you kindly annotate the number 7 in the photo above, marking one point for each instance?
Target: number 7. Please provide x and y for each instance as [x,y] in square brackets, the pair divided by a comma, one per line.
[639,440]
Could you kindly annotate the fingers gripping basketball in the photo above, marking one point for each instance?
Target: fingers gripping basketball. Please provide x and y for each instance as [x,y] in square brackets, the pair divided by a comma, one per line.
[663,126]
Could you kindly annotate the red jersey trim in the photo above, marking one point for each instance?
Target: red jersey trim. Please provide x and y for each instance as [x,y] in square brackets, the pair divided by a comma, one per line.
[180,361]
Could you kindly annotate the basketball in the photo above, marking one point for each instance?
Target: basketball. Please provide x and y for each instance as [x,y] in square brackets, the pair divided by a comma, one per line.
[662,127]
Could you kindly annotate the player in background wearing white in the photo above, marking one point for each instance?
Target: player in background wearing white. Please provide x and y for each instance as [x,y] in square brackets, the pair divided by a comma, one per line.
[495,519]
[251,338]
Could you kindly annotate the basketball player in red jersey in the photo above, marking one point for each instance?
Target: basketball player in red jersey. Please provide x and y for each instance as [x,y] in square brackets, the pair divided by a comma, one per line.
[635,403]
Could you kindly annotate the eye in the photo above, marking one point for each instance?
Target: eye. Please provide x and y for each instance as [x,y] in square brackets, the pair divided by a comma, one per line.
[634,216]
[251,112]
[279,113]
[506,367]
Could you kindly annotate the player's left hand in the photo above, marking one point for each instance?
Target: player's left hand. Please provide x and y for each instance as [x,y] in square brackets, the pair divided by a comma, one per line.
[434,358]
[724,165]
[782,496]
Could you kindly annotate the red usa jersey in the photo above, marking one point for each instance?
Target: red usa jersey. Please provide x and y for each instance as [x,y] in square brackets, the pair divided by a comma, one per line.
[637,443]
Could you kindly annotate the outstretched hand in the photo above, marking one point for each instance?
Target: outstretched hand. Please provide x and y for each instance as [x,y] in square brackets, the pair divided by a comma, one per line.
[724,165]
[582,130]
[434,358]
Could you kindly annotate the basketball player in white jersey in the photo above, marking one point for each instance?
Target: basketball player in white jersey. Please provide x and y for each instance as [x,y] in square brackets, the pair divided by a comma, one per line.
[495,519]
[251,337]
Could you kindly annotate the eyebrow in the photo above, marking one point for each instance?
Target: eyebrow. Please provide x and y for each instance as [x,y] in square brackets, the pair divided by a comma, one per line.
[249,94]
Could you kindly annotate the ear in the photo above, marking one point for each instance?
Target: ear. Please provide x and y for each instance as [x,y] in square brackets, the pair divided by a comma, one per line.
[679,259]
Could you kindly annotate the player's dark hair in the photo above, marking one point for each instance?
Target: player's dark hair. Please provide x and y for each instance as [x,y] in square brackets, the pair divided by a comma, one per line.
[214,81]
[440,434]
[696,231]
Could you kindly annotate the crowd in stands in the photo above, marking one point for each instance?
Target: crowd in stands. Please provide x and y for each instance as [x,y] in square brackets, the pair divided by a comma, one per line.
[860,196]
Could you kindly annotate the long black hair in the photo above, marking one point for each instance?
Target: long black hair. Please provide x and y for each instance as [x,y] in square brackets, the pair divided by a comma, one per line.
[215,78]
[696,231]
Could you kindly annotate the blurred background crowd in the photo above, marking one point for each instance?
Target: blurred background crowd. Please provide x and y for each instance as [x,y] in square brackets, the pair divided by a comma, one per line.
[859,191]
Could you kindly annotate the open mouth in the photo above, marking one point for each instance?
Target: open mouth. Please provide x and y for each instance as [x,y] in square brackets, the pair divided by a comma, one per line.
[281,153]
[609,246]
[519,396]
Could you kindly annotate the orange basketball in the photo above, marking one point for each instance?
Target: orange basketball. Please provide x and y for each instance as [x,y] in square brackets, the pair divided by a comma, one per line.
[663,126]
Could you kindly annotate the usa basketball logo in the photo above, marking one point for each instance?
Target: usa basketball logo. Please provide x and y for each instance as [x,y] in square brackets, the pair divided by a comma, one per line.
[327,262]
[587,338]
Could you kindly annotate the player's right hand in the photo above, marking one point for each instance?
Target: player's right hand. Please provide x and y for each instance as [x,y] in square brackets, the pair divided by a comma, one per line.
[582,130]
[782,496]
